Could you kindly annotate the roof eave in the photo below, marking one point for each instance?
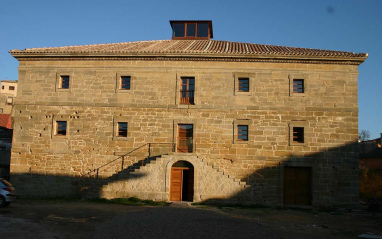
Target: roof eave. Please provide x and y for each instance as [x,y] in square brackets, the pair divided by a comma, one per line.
[19,55]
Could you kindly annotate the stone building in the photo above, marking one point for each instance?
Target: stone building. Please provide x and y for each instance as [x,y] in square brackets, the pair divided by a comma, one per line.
[8,92]
[189,119]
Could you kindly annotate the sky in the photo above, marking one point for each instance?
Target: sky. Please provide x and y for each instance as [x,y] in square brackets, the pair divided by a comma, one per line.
[344,25]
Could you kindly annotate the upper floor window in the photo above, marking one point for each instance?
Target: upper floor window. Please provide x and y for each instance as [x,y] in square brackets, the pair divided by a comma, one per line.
[11,88]
[243,84]
[298,134]
[242,132]
[125,82]
[298,86]
[61,128]
[122,129]
[187,91]
[64,82]
[191,29]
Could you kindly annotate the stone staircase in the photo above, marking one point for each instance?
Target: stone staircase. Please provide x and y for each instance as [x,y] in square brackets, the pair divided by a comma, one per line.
[226,173]
[138,172]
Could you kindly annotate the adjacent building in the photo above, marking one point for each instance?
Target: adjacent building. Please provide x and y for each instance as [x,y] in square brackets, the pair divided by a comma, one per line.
[8,92]
[191,119]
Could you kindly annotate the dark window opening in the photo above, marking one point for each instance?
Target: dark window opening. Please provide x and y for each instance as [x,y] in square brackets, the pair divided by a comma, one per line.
[61,128]
[191,29]
[242,132]
[125,82]
[64,84]
[178,30]
[11,88]
[202,30]
[187,91]
[298,86]
[298,134]
[122,129]
[243,85]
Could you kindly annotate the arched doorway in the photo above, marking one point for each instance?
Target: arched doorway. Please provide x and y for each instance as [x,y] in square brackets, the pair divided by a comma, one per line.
[182,181]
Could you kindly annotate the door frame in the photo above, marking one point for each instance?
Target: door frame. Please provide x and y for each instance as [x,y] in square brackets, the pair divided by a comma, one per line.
[190,181]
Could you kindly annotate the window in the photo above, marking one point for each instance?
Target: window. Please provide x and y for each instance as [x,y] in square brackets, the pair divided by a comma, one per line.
[64,82]
[299,131]
[2,87]
[1,110]
[125,82]
[11,88]
[9,100]
[242,132]
[298,135]
[122,129]
[191,30]
[185,138]
[61,128]
[298,86]
[243,84]
[187,91]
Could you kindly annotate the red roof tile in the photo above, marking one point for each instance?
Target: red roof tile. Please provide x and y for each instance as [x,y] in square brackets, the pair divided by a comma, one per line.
[6,121]
[194,47]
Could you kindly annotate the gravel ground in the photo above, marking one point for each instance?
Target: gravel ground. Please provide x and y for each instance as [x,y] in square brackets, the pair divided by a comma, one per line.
[55,219]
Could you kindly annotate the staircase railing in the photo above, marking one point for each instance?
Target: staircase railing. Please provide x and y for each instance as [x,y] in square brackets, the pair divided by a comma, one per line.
[147,146]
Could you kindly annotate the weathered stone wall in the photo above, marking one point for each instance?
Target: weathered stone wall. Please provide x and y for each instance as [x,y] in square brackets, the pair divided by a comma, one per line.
[328,111]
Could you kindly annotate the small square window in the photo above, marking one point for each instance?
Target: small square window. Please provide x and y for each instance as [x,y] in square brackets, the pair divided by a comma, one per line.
[61,128]
[298,135]
[11,88]
[243,84]
[298,86]
[122,129]
[242,132]
[64,82]
[125,82]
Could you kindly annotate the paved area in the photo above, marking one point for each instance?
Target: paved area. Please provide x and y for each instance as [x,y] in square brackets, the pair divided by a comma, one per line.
[54,219]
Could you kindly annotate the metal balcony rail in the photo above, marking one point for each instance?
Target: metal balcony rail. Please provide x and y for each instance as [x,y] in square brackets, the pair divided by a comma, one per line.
[187,97]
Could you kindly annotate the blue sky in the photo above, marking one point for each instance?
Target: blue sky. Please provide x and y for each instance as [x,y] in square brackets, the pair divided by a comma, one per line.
[346,25]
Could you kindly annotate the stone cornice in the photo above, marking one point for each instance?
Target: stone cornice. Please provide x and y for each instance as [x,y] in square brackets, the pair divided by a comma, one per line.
[23,56]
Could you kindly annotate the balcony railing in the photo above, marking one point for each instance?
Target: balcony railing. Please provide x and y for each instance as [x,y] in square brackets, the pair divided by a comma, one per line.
[187,97]
[185,145]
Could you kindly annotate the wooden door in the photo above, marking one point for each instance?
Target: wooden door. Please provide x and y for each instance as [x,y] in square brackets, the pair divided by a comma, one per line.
[176,184]
[297,186]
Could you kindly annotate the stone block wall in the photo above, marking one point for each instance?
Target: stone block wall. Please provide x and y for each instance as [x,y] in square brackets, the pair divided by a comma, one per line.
[327,110]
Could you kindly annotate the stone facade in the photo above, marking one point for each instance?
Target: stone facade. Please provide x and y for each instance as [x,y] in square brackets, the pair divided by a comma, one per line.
[90,161]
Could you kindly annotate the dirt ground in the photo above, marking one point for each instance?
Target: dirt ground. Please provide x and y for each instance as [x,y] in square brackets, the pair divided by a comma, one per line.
[68,219]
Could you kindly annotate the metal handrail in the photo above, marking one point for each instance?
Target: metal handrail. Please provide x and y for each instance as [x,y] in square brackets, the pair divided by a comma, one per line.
[126,155]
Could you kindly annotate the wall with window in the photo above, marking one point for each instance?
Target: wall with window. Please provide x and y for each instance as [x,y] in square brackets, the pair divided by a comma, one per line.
[245,116]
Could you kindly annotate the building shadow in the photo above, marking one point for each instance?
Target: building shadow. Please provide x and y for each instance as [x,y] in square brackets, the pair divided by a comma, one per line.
[322,180]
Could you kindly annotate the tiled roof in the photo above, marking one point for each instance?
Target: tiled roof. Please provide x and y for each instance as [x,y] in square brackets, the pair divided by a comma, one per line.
[189,47]
[6,121]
